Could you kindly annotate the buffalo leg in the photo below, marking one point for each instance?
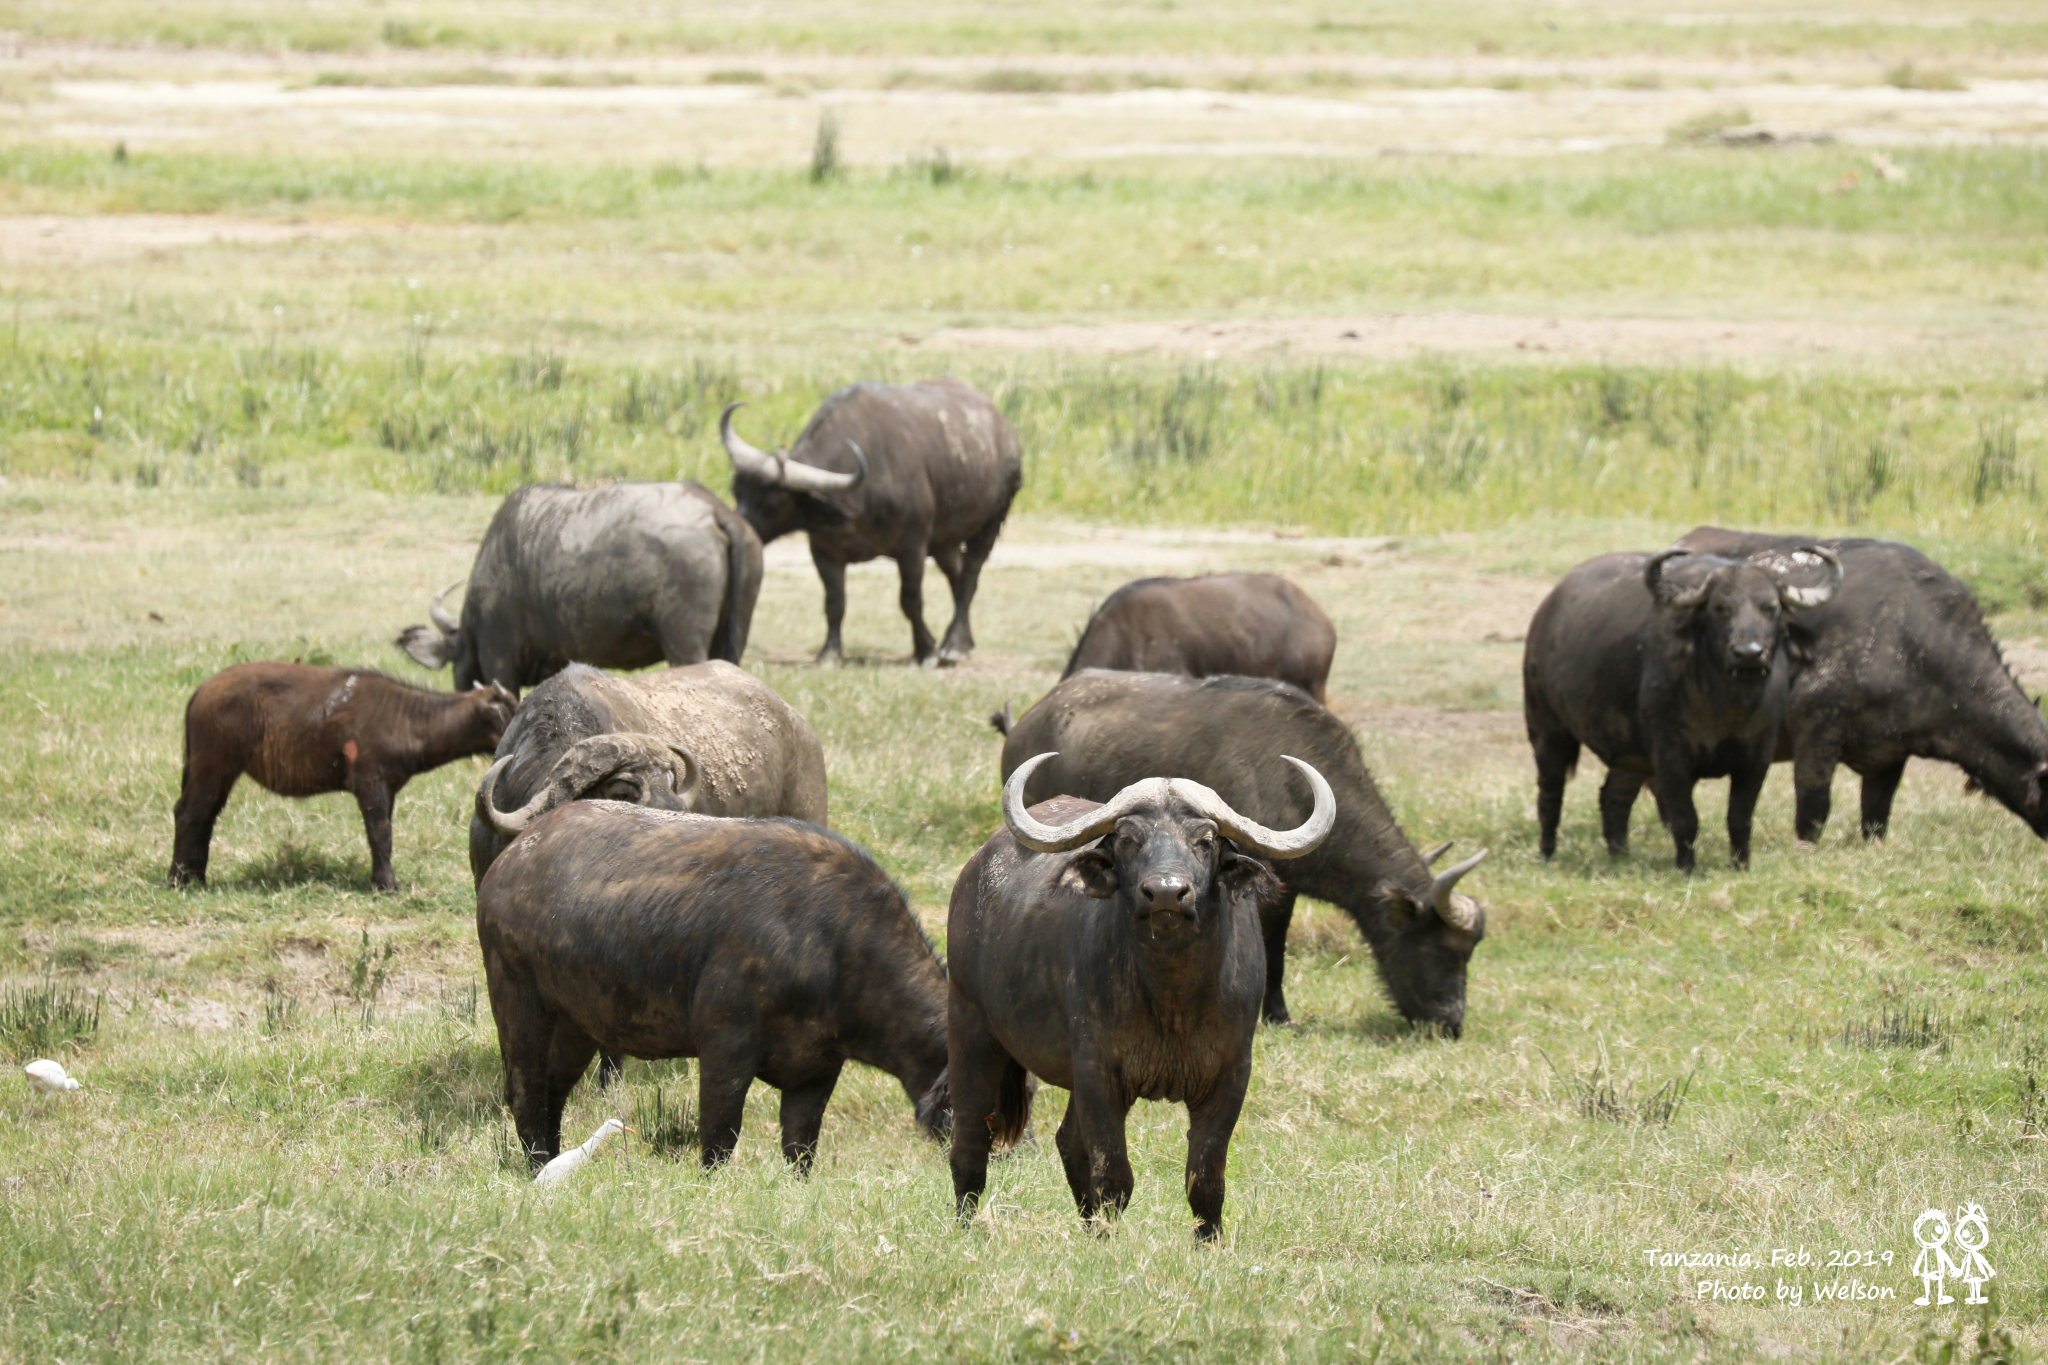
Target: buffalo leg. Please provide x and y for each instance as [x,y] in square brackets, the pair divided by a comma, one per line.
[1744,786]
[569,1052]
[201,797]
[975,1063]
[1210,1125]
[1091,1143]
[1274,921]
[833,575]
[803,1113]
[1813,780]
[609,1065]
[1557,753]
[960,633]
[1880,785]
[910,596]
[722,1080]
[1617,799]
[545,1055]
[375,800]
[1674,801]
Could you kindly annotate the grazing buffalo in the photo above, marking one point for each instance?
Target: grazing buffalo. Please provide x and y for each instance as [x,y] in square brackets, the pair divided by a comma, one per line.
[622,576]
[1124,970]
[1898,664]
[301,731]
[709,738]
[1114,729]
[1671,667]
[764,948]
[889,471]
[1257,625]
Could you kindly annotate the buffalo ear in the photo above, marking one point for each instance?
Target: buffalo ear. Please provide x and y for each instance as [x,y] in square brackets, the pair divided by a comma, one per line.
[428,647]
[1240,874]
[1095,872]
[1403,910]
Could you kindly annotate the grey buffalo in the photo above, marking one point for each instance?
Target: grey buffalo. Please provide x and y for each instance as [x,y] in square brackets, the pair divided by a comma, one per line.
[709,738]
[1257,625]
[621,576]
[1112,729]
[889,471]
[1113,950]
[1671,667]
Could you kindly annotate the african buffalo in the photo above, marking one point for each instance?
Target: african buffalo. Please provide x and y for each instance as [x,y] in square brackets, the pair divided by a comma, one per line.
[889,471]
[1114,729]
[1257,625]
[1671,667]
[1128,969]
[766,948]
[300,731]
[1899,664]
[709,738]
[621,576]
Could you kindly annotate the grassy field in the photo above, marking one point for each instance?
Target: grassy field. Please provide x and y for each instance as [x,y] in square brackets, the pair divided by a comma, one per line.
[278,443]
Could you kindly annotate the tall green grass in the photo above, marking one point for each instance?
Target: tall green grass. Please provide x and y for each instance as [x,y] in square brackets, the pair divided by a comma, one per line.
[1333,447]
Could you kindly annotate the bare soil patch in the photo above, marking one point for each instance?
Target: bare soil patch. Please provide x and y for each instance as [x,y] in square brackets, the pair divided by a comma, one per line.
[1405,335]
[54,239]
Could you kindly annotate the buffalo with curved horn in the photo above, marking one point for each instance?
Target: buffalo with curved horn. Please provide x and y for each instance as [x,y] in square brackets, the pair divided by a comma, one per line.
[1114,728]
[1671,667]
[1113,949]
[889,471]
[1898,664]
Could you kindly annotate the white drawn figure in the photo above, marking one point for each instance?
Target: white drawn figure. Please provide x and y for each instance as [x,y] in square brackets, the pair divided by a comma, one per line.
[1933,1262]
[1973,1234]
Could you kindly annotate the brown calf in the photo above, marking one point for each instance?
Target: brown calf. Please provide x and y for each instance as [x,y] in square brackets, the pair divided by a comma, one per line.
[301,731]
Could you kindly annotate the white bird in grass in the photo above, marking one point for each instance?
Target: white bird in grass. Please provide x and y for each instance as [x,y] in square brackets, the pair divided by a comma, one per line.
[48,1077]
[576,1158]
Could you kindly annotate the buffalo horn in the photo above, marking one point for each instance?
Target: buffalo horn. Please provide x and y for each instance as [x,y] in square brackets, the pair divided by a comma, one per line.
[438,614]
[1429,858]
[689,773]
[1268,843]
[777,469]
[581,767]
[1808,597]
[1460,912]
[1678,599]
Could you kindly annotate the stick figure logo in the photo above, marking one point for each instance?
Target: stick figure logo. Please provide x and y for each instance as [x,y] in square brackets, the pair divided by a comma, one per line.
[1934,1265]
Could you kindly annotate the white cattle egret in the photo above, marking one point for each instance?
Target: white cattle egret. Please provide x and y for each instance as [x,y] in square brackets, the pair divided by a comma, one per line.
[48,1077]
[576,1158]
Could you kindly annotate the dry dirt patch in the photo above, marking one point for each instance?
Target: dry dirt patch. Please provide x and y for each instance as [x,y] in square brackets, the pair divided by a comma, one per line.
[1404,335]
[55,239]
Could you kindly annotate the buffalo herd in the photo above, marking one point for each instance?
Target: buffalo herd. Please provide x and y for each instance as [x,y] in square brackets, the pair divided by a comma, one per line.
[654,877]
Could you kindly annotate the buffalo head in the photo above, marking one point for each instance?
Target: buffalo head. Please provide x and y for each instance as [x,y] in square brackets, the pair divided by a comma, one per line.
[613,767]
[434,646]
[1739,605]
[1166,845]
[1428,945]
[778,495]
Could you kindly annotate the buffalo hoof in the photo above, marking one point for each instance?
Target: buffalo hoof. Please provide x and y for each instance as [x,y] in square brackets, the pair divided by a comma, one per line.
[928,661]
[828,658]
[183,877]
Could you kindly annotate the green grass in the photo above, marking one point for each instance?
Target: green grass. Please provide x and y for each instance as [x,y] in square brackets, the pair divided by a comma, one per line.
[258,1165]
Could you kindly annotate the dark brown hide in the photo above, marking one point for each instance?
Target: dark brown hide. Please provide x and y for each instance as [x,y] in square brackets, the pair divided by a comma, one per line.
[1078,968]
[1112,729]
[764,948]
[1898,665]
[1258,625]
[301,731]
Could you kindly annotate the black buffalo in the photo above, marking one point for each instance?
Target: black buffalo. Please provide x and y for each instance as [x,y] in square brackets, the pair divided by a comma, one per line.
[621,576]
[1114,729]
[1127,969]
[1671,667]
[764,948]
[710,738]
[1899,664]
[1257,625]
[889,471]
